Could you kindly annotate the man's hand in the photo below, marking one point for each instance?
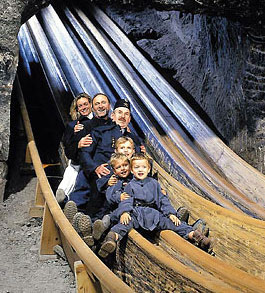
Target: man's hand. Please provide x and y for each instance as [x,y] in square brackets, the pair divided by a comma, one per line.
[174,219]
[113,180]
[124,196]
[85,141]
[78,126]
[125,218]
[101,170]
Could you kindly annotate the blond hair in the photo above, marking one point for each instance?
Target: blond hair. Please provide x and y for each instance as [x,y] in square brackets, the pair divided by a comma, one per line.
[122,140]
[117,157]
[73,108]
[140,156]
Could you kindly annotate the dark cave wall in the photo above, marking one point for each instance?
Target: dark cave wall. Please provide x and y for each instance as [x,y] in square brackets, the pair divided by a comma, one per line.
[12,14]
[214,63]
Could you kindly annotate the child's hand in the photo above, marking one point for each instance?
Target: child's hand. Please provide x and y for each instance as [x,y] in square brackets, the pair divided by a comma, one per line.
[113,180]
[175,220]
[125,218]
[124,196]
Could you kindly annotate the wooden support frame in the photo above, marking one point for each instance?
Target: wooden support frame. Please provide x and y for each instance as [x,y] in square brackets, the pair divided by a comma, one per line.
[37,210]
[84,282]
[28,156]
[49,234]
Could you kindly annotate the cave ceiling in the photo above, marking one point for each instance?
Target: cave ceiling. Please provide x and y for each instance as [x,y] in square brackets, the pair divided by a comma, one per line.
[249,12]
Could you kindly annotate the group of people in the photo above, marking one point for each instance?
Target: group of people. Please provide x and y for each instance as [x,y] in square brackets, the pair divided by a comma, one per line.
[108,188]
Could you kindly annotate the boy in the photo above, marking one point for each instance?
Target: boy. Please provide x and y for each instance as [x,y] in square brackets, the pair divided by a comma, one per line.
[147,208]
[124,149]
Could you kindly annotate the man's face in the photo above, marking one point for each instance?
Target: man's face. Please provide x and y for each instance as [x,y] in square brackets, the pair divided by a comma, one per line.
[122,116]
[125,148]
[83,106]
[101,106]
[140,169]
[122,168]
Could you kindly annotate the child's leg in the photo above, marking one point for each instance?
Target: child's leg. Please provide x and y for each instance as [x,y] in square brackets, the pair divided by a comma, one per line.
[67,184]
[116,234]
[187,232]
[100,226]
[166,224]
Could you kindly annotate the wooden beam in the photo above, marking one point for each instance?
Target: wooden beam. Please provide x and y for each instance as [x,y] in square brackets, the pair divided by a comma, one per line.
[84,283]
[49,234]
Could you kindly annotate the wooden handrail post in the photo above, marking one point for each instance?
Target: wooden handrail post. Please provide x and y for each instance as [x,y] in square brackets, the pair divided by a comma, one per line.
[84,283]
[28,159]
[37,210]
[49,233]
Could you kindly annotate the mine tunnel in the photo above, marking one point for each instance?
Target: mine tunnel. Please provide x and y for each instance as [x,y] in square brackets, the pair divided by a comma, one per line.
[68,49]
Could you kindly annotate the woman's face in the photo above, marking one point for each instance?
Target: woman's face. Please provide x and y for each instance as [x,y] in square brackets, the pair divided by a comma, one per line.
[83,106]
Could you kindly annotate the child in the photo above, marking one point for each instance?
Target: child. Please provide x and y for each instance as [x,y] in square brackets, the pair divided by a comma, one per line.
[147,208]
[124,149]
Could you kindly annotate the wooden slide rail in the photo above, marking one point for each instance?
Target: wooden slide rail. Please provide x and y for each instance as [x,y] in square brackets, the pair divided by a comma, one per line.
[186,161]
[243,176]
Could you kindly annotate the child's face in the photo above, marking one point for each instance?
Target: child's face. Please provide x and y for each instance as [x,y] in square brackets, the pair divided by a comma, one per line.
[140,169]
[122,168]
[125,148]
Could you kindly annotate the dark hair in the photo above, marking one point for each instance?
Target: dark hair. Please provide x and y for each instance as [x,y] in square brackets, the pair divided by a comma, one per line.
[100,94]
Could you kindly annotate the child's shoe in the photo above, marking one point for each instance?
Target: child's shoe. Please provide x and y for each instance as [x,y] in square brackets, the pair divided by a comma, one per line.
[201,225]
[202,241]
[100,226]
[70,209]
[85,227]
[109,245]
[183,214]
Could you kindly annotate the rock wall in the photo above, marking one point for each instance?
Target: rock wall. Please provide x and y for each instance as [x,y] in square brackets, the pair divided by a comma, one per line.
[11,15]
[214,63]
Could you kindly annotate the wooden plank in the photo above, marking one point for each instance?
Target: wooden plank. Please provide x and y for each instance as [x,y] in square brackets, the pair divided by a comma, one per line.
[28,156]
[84,283]
[36,212]
[70,254]
[49,234]
[39,199]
